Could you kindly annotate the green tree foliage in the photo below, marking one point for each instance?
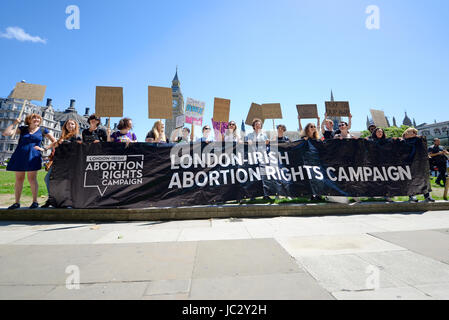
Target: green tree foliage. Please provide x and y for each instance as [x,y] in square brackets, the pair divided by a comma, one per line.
[391,132]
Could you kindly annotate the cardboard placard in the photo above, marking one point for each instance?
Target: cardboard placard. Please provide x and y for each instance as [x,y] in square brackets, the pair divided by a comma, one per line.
[254,112]
[194,111]
[272,111]
[28,91]
[337,108]
[160,103]
[379,118]
[222,107]
[180,121]
[109,101]
[307,111]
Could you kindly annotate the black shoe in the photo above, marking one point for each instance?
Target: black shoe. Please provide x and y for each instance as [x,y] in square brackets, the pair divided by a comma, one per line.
[14,206]
[412,199]
[34,205]
[430,199]
[46,204]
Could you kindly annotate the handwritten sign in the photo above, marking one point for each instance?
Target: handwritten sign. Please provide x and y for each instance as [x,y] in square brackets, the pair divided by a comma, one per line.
[180,121]
[307,111]
[222,107]
[379,118]
[160,103]
[337,108]
[271,111]
[28,91]
[254,112]
[194,111]
[109,101]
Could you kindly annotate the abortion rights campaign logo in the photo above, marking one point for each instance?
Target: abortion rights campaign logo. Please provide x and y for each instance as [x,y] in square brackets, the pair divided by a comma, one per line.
[104,171]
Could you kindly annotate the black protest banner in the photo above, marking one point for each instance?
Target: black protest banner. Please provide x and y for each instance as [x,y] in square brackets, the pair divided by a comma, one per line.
[140,175]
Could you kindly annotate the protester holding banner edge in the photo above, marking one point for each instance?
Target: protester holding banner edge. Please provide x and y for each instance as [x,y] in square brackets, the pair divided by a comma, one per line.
[94,134]
[69,134]
[157,133]
[206,135]
[123,134]
[409,136]
[232,134]
[27,157]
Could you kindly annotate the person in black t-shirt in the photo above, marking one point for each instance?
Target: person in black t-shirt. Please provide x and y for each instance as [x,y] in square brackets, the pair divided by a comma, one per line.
[437,154]
[95,134]
[281,130]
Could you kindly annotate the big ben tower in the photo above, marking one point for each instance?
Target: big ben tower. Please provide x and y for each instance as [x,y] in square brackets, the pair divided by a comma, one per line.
[178,106]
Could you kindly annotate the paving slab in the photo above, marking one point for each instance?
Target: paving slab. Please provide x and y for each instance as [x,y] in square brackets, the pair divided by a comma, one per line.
[225,258]
[17,292]
[438,291]
[61,237]
[292,286]
[178,296]
[412,268]
[214,233]
[404,293]
[168,287]
[345,273]
[11,236]
[142,262]
[44,265]
[336,244]
[432,244]
[139,236]
[100,291]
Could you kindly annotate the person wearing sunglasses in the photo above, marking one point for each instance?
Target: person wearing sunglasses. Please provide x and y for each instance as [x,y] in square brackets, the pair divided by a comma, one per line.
[305,133]
[206,135]
[231,134]
[343,131]
[310,132]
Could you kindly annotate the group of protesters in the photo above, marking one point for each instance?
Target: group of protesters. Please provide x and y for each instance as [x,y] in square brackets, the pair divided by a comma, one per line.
[27,157]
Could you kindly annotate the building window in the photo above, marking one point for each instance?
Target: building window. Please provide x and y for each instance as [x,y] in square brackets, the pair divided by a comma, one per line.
[437,131]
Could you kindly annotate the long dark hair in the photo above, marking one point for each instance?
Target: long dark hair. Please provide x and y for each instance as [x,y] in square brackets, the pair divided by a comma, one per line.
[374,135]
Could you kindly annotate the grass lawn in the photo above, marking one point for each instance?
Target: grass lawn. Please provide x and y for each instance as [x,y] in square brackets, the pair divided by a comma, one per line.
[8,178]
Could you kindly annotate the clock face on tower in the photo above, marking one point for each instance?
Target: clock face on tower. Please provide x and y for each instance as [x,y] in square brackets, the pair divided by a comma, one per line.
[175,104]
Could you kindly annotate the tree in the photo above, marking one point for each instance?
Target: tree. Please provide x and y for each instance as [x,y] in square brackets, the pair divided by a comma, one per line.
[391,132]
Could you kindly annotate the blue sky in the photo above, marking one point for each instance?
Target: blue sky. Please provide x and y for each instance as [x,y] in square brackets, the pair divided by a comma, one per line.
[286,51]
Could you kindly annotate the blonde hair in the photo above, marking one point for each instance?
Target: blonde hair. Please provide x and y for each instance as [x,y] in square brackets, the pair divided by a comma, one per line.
[155,130]
[31,116]
[304,132]
[408,130]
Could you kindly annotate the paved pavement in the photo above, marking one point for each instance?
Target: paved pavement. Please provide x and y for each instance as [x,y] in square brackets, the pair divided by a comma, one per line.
[376,256]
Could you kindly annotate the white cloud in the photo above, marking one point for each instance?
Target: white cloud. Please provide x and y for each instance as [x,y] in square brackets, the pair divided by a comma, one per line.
[20,34]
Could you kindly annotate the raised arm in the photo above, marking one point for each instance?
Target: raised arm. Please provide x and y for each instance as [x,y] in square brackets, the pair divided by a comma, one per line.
[350,121]
[9,130]
[323,128]
[300,126]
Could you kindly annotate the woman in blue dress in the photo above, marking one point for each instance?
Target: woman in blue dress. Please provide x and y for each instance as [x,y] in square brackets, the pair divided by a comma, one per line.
[27,156]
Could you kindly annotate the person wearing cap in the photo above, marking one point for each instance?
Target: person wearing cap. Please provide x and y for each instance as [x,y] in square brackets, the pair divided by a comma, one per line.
[95,134]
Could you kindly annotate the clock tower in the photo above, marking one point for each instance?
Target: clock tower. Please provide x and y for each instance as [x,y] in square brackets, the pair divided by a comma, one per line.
[178,106]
